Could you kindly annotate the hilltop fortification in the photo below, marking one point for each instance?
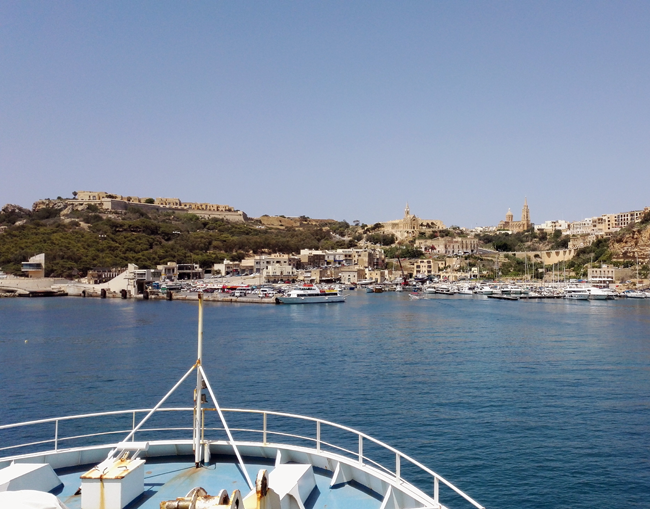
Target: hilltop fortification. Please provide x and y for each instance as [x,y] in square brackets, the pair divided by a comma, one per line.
[119,203]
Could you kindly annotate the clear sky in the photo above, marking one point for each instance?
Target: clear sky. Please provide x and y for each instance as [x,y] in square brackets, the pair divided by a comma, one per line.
[343,110]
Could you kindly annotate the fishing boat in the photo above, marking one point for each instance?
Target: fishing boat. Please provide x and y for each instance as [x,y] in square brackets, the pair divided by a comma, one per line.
[188,457]
[309,294]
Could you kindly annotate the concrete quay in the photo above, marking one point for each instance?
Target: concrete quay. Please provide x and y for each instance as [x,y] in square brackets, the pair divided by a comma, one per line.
[223,297]
[172,296]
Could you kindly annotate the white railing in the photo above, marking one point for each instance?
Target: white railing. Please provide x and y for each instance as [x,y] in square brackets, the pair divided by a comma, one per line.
[356,455]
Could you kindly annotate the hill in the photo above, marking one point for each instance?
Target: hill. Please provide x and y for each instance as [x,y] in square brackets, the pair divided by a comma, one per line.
[75,241]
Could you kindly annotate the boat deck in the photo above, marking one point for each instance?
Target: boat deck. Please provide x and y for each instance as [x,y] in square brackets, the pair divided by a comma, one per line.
[172,477]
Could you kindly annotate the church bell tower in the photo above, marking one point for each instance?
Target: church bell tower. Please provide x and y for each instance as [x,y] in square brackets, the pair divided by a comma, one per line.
[525,215]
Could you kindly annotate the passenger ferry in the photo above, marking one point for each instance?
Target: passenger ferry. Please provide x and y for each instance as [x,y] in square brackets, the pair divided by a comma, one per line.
[188,457]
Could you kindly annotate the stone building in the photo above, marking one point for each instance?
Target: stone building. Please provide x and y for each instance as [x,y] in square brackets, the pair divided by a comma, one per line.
[410,226]
[425,267]
[352,275]
[609,275]
[449,245]
[364,258]
[517,226]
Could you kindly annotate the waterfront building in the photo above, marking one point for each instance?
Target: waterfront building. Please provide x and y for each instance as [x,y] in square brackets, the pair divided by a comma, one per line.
[247,266]
[322,275]
[226,268]
[378,275]
[168,271]
[410,226]
[188,271]
[277,273]
[99,275]
[365,258]
[352,275]
[263,262]
[369,258]
[609,275]
[425,267]
[312,258]
[35,267]
[338,258]
[517,226]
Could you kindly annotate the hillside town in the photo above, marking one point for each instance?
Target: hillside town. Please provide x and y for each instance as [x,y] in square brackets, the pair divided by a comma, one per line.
[396,251]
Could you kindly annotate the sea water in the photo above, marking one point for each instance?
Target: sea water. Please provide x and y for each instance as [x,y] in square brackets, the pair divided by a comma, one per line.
[540,404]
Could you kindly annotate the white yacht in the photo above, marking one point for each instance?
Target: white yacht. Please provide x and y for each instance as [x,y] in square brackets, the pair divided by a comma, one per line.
[446,289]
[576,294]
[465,290]
[484,290]
[311,295]
[598,293]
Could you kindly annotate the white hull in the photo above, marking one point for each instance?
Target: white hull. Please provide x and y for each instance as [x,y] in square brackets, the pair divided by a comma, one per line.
[316,299]
[342,466]
[577,296]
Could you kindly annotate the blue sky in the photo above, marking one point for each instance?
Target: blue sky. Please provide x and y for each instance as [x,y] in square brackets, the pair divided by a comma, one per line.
[341,110]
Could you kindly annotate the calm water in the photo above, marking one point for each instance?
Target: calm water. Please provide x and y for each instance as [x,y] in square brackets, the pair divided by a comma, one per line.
[520,404]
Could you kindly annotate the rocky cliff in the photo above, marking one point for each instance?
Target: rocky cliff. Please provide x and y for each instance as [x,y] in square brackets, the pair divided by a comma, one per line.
[629,244]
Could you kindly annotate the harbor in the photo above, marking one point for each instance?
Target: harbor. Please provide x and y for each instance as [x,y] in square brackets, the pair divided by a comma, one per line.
[325,255]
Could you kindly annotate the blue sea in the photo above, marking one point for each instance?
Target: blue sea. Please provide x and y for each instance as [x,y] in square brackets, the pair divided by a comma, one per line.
[520,404]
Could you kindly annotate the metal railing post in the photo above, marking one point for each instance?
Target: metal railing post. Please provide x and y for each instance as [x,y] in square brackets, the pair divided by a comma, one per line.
[318,435]
[56,435]
[133,427]
[202,425]
[360,449]
[435,491]
[397,467]
[264,430]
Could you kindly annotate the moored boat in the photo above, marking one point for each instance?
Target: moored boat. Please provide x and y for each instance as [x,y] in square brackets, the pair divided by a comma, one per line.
[576,294]
[597,293]
[309,294]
